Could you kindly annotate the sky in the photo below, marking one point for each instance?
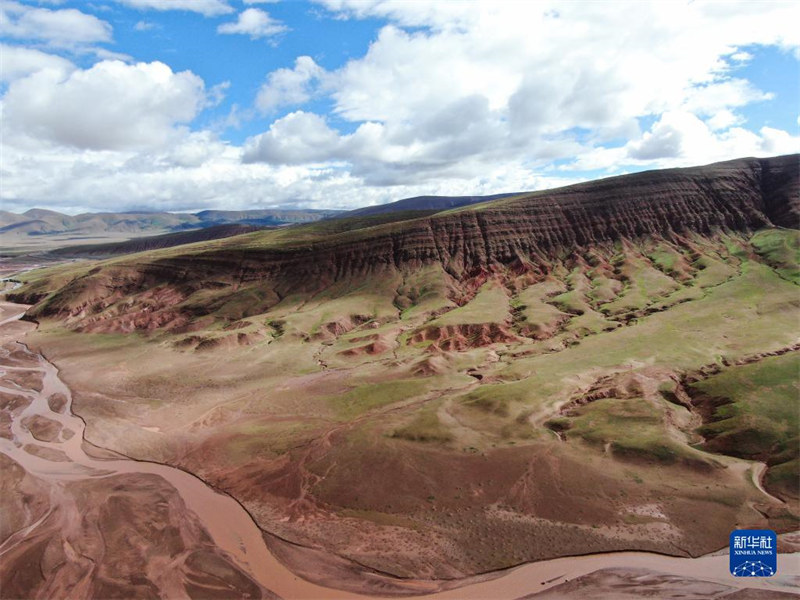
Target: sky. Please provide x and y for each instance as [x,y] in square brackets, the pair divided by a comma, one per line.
[185,105]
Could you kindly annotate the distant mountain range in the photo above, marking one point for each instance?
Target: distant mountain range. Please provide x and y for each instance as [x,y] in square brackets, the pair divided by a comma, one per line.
[105,234]
[38,221]
[154,242]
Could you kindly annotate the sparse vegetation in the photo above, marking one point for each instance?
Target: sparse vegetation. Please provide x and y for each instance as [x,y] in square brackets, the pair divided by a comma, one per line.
[425,427]
[481,400]
[755,414]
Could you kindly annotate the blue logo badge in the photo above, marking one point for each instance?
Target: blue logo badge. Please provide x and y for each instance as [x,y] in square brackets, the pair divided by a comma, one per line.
[753,553]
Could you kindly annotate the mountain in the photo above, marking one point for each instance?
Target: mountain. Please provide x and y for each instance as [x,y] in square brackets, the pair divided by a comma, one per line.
[411,396]
[37,222]
[156,242]
[262,217]
[423,203]
[520,232]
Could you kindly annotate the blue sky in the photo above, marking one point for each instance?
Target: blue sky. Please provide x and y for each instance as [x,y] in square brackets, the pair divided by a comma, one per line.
[181,39]
[193,104]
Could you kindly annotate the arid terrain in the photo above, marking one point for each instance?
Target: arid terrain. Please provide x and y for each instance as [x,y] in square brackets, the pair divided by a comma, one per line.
[406,403]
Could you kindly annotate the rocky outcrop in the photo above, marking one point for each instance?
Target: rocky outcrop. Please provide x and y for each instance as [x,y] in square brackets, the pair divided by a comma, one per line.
[522,232]
[457,338]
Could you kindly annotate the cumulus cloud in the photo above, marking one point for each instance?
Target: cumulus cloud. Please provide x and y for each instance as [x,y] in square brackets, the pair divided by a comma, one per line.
[112,105]
[17,62]
[61,28]
[199,171]
[679,139]
[286,87]
[439,89]
[708,100]
[297,138]
[253,22]
[776,141]
[668,137]
[208,8]
[449,98]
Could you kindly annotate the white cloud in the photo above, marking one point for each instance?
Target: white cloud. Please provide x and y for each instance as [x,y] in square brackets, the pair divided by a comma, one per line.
[742,56]
[198,172]
[109,106]
[478,84]
[216,94]
[17,62]
[208,8]
[724,119]
[669,137]
[105,54]
[450,98]
[297,138]
[253,22]
[285,87]
[681,139]
[144,26]
[63,27]
[708,100]
[777,141]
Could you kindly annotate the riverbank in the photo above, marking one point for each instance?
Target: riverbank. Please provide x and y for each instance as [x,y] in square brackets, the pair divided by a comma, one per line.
[89,526]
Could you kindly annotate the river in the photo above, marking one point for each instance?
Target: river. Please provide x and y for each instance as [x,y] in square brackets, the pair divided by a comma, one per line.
[233,530]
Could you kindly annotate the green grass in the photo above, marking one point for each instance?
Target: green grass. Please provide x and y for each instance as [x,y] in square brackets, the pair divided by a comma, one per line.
[263,440]
[302,319]
[573,302]
[745,315]
[783,478]
[425,427]
[645,284]
[665,258]
[246,302]
[423,292]
[780,248]
[604,289]
[486,400]
[590,322]
[490,305]
[584,320]
[370,396]
[633,427]
[541,317]
[712,271]
[762,419]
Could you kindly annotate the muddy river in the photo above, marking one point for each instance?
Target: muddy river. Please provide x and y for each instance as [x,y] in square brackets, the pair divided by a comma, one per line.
[64,459]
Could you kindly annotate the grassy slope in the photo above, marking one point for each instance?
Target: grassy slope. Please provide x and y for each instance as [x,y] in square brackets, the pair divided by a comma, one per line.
[422,420]
[760,418]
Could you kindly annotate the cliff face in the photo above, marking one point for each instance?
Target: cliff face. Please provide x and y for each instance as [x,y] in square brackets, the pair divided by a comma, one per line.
[742,195]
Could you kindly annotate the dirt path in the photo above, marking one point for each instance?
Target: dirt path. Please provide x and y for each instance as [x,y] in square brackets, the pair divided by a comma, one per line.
[758,470]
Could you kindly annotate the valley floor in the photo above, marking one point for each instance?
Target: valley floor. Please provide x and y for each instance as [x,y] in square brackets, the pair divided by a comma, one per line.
[81,522]
[409,433]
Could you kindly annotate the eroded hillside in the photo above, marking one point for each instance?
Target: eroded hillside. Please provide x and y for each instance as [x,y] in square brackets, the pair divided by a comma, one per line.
[438,396]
